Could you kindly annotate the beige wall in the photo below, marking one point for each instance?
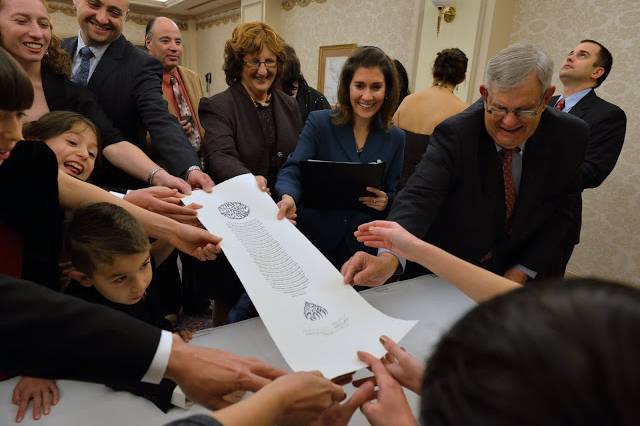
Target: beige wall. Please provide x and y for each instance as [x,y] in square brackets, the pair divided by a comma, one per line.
[610,241]
[460,33]
[390,25]
[210,46]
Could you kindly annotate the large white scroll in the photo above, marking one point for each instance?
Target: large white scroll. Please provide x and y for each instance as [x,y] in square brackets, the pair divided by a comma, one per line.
[316,321]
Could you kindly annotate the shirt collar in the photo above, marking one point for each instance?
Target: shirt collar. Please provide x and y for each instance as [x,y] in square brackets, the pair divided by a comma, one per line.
[98,51]
[571,101]
[521,147]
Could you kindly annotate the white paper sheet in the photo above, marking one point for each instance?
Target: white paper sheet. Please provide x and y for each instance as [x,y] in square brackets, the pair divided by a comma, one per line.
[316,321]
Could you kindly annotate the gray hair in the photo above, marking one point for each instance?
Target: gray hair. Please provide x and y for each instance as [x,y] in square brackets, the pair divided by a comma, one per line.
[509,67]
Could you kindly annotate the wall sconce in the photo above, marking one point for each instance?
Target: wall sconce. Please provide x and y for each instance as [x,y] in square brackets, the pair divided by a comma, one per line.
[445,11]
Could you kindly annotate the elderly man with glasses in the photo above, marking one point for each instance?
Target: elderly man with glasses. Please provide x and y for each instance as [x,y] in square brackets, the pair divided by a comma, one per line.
[498,182]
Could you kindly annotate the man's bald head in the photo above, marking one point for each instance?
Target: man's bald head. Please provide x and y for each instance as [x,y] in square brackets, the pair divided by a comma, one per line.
[164,42]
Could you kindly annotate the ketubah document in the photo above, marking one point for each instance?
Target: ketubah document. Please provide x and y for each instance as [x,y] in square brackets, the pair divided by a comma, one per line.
[316,321]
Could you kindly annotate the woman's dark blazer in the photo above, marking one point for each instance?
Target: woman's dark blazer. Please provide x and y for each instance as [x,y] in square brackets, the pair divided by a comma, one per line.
[234,141]
[322,140]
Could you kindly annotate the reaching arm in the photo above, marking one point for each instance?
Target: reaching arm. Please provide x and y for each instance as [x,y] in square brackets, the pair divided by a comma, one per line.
[194,241]
[133,161]
[477,283]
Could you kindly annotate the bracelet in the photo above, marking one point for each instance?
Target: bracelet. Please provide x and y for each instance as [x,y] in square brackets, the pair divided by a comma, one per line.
[152,174]
[189,170]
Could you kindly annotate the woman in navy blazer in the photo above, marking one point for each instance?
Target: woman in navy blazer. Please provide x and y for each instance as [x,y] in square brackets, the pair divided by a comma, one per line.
[358,130]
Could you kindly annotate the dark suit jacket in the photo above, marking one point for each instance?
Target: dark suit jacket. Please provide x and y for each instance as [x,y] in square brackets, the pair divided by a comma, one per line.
[82,341]
[322,140]
[30,208]
[455,198]
[607,127]
[64,95]
[128,85]
[233,140]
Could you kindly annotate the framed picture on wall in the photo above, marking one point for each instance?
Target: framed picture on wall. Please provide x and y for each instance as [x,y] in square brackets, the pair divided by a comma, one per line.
[330,63]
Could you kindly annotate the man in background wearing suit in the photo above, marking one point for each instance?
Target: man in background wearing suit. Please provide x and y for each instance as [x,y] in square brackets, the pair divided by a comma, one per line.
[127,83]
[584,69]
[182,90]
[497,183]
[181,87]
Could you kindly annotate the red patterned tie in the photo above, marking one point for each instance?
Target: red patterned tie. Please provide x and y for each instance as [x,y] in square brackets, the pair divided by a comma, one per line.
[560,104]
[509,190]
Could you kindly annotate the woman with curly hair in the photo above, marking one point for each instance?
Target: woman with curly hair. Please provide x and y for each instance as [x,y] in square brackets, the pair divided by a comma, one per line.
[251,127]
[423,110]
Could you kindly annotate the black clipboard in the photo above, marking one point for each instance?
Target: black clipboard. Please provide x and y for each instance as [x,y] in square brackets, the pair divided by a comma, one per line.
[337,185]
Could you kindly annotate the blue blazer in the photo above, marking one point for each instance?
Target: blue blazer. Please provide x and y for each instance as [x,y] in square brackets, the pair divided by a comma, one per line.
[322,140]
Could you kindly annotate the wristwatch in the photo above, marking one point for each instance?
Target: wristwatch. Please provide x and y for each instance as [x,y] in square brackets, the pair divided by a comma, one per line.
[189,170]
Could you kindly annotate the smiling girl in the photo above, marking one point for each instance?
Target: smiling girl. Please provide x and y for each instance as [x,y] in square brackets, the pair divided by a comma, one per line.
[72,137]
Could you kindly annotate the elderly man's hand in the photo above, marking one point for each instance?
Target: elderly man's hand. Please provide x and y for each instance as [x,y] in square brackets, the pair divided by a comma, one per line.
[206,375]
[366,269]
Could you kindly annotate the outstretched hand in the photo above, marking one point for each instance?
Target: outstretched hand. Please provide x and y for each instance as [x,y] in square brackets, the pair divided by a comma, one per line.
[391,406]
[196,242]
[404,367]
[368,270]
[391,236]
[164,201]
[206,375]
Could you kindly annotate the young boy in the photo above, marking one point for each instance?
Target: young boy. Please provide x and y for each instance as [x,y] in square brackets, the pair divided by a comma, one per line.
[112,265]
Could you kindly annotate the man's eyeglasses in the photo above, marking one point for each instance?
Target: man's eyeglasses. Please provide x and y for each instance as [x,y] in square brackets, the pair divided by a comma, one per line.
[255,64]
[500,112]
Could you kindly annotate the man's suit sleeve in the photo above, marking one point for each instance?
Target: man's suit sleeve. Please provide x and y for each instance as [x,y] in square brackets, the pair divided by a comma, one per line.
[605,143]
[167,137]
[86,103]
[49,334]
[417,205]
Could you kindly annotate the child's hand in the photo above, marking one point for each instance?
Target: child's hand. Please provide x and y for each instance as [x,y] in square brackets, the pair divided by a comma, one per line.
[185,335]
[43,392]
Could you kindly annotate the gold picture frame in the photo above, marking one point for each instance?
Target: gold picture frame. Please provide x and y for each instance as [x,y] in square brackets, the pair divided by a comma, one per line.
[330,61]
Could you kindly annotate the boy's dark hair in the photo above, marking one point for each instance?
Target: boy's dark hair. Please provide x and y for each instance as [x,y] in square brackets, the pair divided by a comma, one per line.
[97,233]
[604,60]
[55,123]
[450,66]
[16,91]
[559,353]
[367,57]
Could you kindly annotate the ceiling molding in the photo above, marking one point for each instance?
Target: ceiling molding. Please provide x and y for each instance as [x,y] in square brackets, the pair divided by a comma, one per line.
[290,4]
[218,19]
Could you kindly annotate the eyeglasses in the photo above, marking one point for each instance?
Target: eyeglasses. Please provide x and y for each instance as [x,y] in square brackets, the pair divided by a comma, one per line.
[255,64]
[523,114]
